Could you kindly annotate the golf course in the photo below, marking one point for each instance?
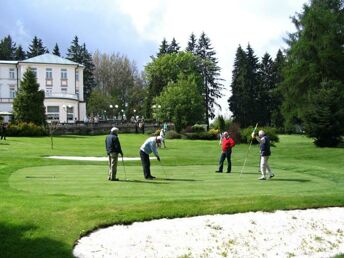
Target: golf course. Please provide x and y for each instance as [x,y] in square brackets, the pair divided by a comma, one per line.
[47,205]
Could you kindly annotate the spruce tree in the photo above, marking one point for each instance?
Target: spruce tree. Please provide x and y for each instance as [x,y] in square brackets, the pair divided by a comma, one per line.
[211,75]
[7,49]
[74,53]
[192,44]
[28,105]
[89,79]
[163,48]
[20,53]
[314,58]
[173,47]
[56,50]
[36,48]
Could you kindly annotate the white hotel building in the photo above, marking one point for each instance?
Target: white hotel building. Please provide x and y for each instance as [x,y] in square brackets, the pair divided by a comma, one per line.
[60,79]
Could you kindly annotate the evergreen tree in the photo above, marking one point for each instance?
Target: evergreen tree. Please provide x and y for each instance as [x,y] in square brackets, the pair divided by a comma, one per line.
[36,48]
[277,119]
[173,47]
[211,76]
[80,55]
[314,58]
[28,105]
[192,44]
[20,53]
[56,50]
[163,48]
[7,49]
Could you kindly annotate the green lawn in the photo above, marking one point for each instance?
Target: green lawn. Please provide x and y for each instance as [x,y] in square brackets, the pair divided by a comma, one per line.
[47,204]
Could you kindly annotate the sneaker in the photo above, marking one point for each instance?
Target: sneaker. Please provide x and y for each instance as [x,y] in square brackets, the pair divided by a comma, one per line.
[115,179]
[152,177]
[149,178]
[218,171]
[262,178]
[272,175]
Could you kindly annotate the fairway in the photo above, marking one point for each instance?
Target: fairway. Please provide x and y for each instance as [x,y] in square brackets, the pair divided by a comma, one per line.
[46,204]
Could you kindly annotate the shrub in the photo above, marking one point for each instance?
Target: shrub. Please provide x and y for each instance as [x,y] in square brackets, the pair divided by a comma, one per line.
[26,129]
[197,128]
[245,134]
[210,135]
[173,135]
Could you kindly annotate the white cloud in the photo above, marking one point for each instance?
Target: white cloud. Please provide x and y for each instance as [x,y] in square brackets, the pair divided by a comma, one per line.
[20,34]
[228,23]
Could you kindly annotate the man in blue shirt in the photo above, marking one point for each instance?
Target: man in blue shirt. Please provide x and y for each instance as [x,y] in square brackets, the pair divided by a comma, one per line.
[149,146]
[113,148]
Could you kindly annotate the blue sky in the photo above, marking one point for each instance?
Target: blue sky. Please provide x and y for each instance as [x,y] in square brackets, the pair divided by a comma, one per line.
[135,28]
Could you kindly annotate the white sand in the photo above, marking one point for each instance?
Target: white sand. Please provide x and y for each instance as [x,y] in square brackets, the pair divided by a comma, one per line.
[298,233]
[92,158]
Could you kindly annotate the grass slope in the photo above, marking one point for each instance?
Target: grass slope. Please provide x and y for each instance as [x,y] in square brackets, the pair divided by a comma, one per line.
[47,204]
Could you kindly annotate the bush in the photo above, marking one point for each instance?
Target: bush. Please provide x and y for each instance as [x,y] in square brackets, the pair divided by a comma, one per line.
[221,124]
[198,128]
[26,129]
[245,134]
[210,135]
[173,135]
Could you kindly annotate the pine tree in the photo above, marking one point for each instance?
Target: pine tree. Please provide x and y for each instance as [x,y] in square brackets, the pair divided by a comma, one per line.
[163,48]
[28,105]
[192,44]
[314,58]
[20,53]
[211,75]
[36,48]
[74,53]
[173,47]
[7,49]
[89,79]
[56,50]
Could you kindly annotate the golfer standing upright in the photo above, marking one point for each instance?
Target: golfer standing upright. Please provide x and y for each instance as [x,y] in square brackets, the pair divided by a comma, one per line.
[149,146]
[227,143]
[113,148]
[265,153]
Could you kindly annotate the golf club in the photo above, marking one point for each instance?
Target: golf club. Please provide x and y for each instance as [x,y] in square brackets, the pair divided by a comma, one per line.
[125,173]
[249,148]
[163,169]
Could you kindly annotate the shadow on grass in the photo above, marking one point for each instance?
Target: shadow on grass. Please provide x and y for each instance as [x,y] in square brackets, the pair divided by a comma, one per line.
[71,136]
[179,179]
[14,244]
[155,181]
[291,180]
[4,143]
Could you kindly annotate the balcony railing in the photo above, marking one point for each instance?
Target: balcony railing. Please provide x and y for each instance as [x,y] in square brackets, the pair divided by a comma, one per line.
[61,95]
[6,100]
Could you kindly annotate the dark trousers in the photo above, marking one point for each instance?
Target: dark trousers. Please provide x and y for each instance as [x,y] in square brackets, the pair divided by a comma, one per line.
[223,156]
[145,164]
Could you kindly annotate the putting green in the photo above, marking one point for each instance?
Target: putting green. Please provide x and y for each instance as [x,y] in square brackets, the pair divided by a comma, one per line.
[173,182]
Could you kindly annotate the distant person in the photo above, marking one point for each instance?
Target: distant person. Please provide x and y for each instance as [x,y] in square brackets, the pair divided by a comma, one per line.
[3,131]
[227,143]
[149,146]
[162,135]
[265,153]
[113,148]
[165,127]
[142,127]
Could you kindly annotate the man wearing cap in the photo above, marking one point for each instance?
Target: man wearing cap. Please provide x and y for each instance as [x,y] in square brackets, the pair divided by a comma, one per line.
[227,143]
[149,146]
[265,153]
[113,148]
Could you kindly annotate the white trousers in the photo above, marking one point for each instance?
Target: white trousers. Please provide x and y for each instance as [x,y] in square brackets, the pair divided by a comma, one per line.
[265,166]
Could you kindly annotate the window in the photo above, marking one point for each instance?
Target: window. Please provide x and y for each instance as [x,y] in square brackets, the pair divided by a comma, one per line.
[12,91]
[34,70]
[53,113]
[70,113]
[63,89]
[63,74]
[48,91]
[48,73]
[12,75]
[77,93]
[77,75]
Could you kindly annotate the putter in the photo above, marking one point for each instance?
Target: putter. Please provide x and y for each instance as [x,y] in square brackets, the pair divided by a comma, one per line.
[249,148]
[125,173]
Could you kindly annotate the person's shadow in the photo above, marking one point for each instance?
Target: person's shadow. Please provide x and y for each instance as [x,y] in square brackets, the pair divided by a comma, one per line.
[14,244]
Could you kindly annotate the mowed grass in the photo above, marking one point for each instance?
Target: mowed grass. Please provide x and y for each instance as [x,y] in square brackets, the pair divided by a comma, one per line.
[46,205]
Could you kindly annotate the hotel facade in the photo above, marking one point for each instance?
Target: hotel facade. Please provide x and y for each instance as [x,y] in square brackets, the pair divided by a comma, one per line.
[60,79]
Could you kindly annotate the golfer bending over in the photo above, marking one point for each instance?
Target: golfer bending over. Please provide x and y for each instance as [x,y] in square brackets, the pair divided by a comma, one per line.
[113,148]
[149,146]
[227,143]
[265,153]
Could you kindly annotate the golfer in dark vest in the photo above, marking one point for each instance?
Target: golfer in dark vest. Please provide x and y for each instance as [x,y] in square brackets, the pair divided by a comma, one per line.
[113,148]
[265,153]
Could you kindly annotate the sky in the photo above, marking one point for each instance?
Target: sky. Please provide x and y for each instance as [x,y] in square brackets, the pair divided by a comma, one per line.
[135,28]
